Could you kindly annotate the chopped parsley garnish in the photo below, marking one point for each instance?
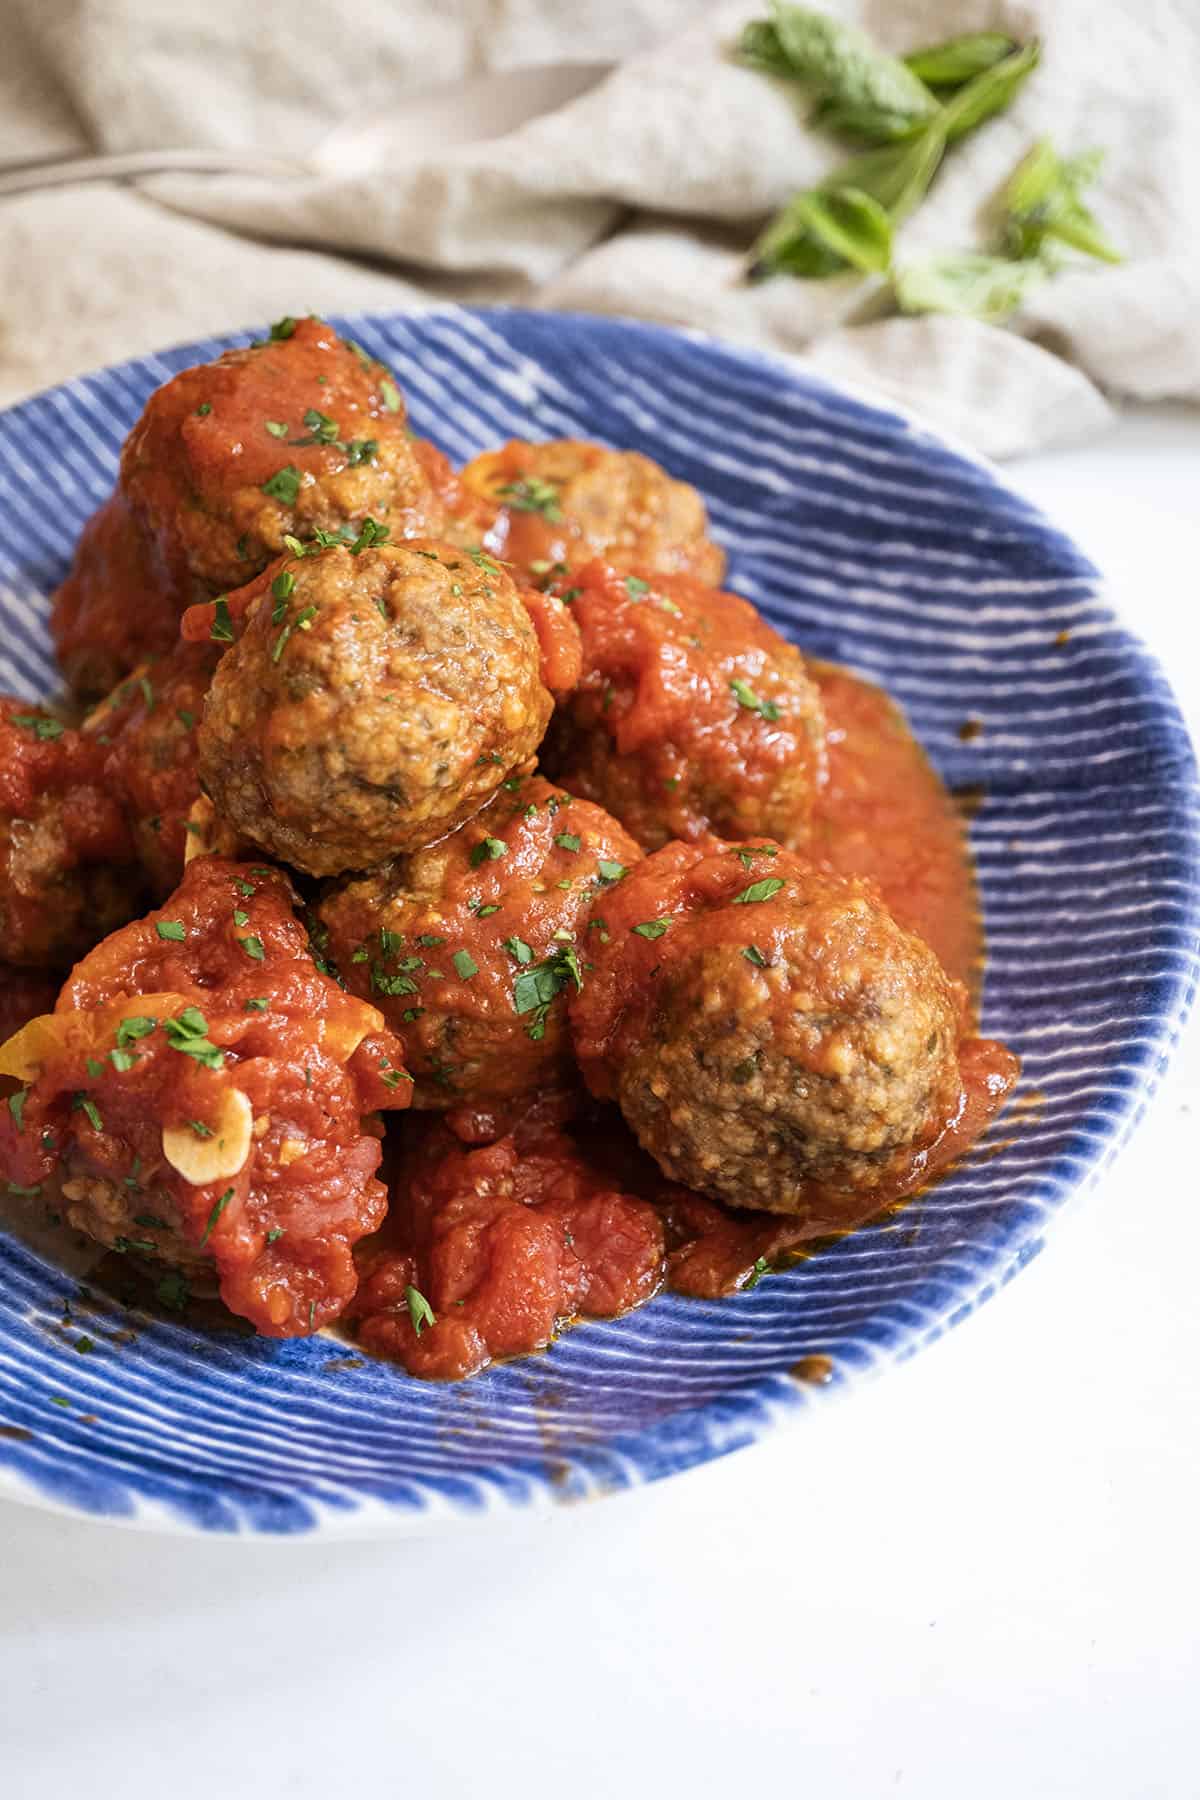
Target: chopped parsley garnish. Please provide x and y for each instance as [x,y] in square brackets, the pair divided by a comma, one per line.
[430,939]
[370,533]
[200,1128]
[275,1233]
[188,1033]
[390,941]
[482,560]
[150,1222]
[257,1005]
[277,428]
[758,890]
[45,729]
[245,887]
[95,1069]
[391,394]
[531,494]
[361,450]
[323,429]
[518,949]
[762,1267]
[204,408]
[16,1106]
[635,587]
[302,622]
[122,1060]
[283,328]
[419,1309]
[186,719]
[284,485]
[215,1214]
[746,696]
[171,929]
[82,1103]
[135,1027]
[650,928]
[465,964]
[485,912]
[753,954]
[536,989]
[253,946]
[240,917]
[567,840]
[283,584]
[487,850]
[221,631]
[746,857]
[393,985]
[611,871]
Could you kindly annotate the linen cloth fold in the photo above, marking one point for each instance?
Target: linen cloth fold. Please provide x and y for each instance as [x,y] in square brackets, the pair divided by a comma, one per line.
[640,197]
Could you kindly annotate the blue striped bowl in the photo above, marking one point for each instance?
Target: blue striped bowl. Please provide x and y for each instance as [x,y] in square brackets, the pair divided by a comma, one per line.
[866,539]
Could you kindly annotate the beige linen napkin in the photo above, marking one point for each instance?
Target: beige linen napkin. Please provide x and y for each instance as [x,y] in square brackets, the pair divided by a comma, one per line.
[639,198]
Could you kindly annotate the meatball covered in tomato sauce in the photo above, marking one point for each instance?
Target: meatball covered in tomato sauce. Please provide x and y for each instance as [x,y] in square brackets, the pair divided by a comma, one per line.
[199,1096]
[765,1026]
[552,506]
[470,947]
[375,698]
[68,873]
[301,433]
[113,609]
[148,727]
[691,716]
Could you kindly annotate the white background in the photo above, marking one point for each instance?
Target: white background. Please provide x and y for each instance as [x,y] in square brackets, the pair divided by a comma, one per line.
[976,1578]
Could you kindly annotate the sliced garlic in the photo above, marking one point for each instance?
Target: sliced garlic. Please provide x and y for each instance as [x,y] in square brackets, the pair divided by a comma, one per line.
[203,1159]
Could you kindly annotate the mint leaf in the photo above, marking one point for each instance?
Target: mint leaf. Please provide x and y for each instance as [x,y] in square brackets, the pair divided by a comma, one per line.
[967,284]
[959,59]
[872,95]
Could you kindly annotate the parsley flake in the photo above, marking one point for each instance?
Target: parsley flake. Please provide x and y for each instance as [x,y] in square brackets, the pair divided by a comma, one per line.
[758,890]
[44,729]
[221,631]
[650,928]
[419,1309]
[465,964]
[253,946]
[284,485]
[277,428]
[215,1214]
[567,840]
[489,849]
[746,696]
[171,929]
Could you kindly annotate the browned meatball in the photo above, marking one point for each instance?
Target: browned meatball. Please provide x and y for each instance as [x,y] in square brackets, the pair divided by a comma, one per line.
[565,502]
[692,714]
[765,1025]
[67,869]
[303,432]
[148,728]
[469,947]
[376,698]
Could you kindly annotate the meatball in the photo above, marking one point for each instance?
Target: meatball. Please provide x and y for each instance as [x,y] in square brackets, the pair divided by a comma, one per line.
[67,868]
[376,697]
[765,1025]
[112,610]
[468,947]
[302,433]
[566,502]
[692,715]
[198,1095]
[149,726]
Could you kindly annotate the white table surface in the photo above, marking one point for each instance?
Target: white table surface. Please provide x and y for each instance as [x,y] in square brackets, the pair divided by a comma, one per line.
[976,1578]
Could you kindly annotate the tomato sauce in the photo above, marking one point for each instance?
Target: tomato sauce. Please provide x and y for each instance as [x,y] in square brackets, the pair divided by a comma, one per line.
[884,813]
